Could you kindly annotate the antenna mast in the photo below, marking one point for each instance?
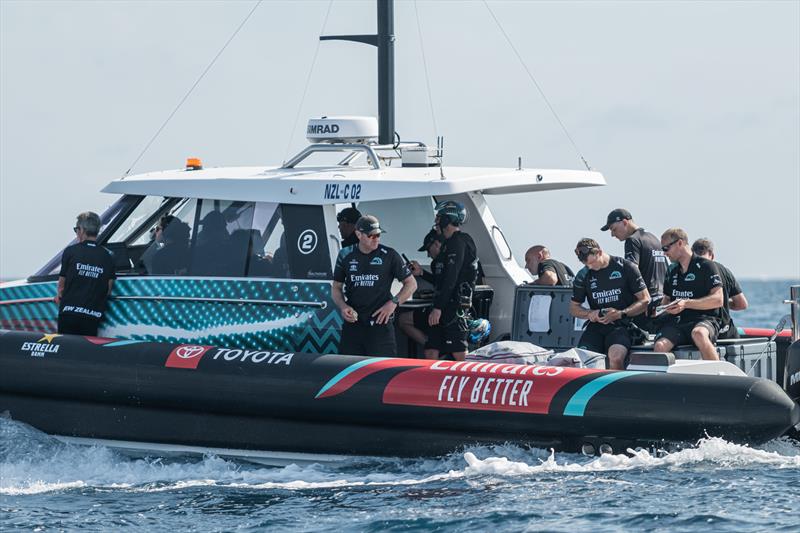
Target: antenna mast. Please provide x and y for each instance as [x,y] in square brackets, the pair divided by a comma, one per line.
[384,41]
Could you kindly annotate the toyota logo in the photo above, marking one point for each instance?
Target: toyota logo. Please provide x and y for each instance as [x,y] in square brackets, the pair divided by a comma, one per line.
[187,352]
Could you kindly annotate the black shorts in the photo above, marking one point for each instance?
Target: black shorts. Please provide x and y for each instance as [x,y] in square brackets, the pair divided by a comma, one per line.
[732,332]
[421,318]
[600,337]
[450,335]
[74,324]
[362,339]
[679,333]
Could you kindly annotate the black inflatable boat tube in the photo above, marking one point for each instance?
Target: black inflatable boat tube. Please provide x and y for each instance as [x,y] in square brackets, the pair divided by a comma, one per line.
[336,404]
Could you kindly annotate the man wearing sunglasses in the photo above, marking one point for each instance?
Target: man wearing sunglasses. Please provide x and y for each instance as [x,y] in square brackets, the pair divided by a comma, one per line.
[693,287]
[364,273]
[85,280]
[615,291]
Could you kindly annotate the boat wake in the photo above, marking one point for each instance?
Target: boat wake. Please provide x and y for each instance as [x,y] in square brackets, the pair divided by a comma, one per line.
[33,463]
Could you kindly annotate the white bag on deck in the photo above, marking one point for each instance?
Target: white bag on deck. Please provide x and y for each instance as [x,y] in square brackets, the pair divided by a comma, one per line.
[514,352]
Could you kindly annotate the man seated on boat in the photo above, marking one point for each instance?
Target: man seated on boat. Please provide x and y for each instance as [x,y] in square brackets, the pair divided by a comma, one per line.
[732,295]
[362,282]
[173,257]
[547,270]
[615,291]
[156,242]
[644,250]
[454,288]
[414,322]
[347,219]
[85,280]
[693,298]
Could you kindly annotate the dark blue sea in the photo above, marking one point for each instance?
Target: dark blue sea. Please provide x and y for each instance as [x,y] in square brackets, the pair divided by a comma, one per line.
[46,485]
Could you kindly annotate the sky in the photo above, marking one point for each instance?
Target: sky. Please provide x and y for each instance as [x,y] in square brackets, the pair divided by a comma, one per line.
[691,110]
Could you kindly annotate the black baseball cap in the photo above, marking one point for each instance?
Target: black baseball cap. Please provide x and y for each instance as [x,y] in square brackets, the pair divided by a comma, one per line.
[369,225]
[429,239]
[615,216]
[348,214]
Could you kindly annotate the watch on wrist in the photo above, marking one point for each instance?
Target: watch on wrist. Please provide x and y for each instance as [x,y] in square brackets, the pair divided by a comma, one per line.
[623,314]
[395,301]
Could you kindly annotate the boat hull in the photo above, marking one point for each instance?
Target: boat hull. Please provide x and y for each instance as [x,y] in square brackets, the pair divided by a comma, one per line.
[215,397]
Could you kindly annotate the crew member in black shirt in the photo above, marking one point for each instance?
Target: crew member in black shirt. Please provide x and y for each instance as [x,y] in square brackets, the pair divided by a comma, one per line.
[454,288]
[414,322]
[362,282]
[548,270]
[615,291]
[693,287]
[85,280]
[733,297]
[347,219]
[644,250]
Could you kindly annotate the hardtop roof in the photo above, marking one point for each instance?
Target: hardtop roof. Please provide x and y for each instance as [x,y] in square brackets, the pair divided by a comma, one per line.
[336,184]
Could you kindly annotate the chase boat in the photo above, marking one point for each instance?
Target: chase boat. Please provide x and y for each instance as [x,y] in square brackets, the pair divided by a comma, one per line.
[235,349]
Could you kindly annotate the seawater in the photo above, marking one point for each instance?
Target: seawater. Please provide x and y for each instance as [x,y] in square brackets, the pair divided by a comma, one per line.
[46,485]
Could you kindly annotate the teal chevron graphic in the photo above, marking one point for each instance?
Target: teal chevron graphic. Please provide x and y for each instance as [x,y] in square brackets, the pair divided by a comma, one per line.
[290,325]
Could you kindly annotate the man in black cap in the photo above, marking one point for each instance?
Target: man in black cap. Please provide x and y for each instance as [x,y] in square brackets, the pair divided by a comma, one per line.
[732,295]
[347,219]
[85,280]
[644,250]
[364,273]
[414,323]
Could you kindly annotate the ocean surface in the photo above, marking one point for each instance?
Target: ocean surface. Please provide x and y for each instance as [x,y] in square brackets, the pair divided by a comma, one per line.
[46,485]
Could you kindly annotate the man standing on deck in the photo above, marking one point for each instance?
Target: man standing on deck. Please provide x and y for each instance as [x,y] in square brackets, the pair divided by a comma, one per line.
[732,295]
[347,219]
[85,280]
[364,273]
[454,288]
[615,291]
[643,249]
[694,296]
[548,270]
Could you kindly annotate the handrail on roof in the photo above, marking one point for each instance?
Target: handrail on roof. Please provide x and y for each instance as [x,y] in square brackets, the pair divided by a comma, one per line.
[372,157]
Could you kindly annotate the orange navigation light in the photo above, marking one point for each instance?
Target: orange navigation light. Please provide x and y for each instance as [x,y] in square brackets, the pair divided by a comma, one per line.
[194,163]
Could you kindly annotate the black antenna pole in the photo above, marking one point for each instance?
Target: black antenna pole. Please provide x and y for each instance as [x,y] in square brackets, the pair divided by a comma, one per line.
[384,41]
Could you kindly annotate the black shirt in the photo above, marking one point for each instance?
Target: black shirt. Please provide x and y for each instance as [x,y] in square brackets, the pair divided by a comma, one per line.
[644,250]
[368,278]
[614,286]
[460,260]
[562,271]
[730,288]
[435,275]
[698,281]
[86,269]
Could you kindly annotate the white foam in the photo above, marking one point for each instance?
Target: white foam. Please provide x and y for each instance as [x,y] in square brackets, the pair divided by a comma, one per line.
[34,463]
[710,450]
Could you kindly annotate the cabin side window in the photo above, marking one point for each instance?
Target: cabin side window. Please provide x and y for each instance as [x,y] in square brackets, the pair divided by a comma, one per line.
[406,220]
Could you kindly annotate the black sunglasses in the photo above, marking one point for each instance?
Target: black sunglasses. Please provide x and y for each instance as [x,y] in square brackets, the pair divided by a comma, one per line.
[75,229]
[667,247]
